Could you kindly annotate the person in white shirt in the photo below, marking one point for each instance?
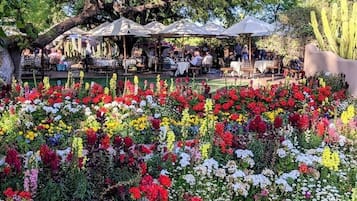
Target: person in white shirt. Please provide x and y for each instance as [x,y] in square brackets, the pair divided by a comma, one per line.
[207,62]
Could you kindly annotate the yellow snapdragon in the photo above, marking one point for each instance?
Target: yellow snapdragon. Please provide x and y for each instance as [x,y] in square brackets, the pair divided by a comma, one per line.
[208,105]
[170,140]
[204,150]
[77,146]
[331,160]
[347,115]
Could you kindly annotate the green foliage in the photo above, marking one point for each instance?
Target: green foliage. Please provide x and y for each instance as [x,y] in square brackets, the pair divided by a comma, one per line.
[339,30]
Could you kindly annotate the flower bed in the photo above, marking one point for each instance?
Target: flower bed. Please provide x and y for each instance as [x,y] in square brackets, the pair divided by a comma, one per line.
[168,141]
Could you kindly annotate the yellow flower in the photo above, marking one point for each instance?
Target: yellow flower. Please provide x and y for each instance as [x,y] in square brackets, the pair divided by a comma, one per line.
[170,140]
[136,80]
[204,150]
[30,135]
[329,159]
[106,91]
[208,105]
[81,74]
[77,146]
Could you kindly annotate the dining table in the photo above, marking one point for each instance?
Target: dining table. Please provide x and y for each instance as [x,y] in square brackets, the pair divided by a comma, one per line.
[182,67]
[262,65]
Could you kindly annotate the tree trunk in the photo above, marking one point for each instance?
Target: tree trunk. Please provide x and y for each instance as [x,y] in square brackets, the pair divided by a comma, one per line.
[15,54]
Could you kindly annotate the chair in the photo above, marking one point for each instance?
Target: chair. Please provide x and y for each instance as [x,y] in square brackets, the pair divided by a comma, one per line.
[248,68]
[196,69]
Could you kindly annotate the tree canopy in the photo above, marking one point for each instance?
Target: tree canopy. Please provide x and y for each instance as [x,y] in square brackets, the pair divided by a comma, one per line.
[32,17]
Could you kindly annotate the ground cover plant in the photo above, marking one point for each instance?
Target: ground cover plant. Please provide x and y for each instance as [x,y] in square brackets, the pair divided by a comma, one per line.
[169,141]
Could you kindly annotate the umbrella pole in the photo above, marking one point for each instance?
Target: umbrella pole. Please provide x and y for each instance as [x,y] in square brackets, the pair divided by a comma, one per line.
[124,60]
[250,51]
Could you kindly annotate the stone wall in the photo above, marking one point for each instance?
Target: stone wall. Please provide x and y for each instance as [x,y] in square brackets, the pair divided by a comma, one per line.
[325,61]
[6,66]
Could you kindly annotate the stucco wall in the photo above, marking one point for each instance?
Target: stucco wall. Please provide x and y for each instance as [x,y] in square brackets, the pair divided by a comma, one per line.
[325,61]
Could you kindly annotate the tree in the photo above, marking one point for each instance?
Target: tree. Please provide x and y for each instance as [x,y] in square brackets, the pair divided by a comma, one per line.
[34,16]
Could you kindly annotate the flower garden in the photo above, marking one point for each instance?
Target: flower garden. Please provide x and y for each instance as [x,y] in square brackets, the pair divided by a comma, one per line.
[170,140]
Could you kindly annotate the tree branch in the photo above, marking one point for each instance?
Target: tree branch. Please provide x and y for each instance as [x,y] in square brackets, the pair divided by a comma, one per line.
[91,9]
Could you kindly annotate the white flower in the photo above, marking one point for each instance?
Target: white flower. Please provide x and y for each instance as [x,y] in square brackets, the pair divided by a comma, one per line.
[57,118]
[268,172]
[258,180]
[164,172]
[244,153]
[281,153]
[185,159]
[307,159]
[231,166]
[210,164]
[190,179]
[238,174]
[220,172]
[142,103]
[157,115]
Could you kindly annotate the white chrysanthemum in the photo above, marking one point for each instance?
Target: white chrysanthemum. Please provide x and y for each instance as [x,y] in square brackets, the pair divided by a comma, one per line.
[211,164]
[241,188]
[268,172]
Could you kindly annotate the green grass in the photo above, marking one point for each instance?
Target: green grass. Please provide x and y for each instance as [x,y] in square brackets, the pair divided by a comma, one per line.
[215,84]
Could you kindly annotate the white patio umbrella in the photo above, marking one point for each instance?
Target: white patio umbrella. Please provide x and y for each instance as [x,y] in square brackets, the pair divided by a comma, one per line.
[213,29]
[249,25]
[182,28]
[155,27]
[122,27]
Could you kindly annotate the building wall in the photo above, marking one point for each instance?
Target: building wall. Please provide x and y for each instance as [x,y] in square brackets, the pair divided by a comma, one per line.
[325,61]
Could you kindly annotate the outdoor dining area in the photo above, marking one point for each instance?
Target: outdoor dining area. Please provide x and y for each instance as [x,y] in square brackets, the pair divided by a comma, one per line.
[109,48]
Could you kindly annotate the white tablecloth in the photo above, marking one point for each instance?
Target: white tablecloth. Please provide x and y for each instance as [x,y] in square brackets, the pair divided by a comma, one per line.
[236,65]
[182,67]
[105,62]
[129,62]
[263,64]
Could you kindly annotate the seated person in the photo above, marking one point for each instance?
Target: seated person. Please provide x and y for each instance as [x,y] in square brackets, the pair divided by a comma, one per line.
[169,63]
[197,60]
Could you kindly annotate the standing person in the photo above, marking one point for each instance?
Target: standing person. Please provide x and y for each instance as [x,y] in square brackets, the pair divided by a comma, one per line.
[87,59]
[238,52]
[245,53]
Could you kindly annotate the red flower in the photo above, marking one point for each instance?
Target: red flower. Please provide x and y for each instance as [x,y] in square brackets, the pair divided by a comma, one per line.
[25,195]
[155,123]
[320,128]
[165,180]
[304,122]
[128,141]
[9,193]
[278,122]
[105,142]
[91,136]
[143,168]
[147,180]
[118,141]
[135,192]
[303,168]
[196,198]
[12,158]
[7,170]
